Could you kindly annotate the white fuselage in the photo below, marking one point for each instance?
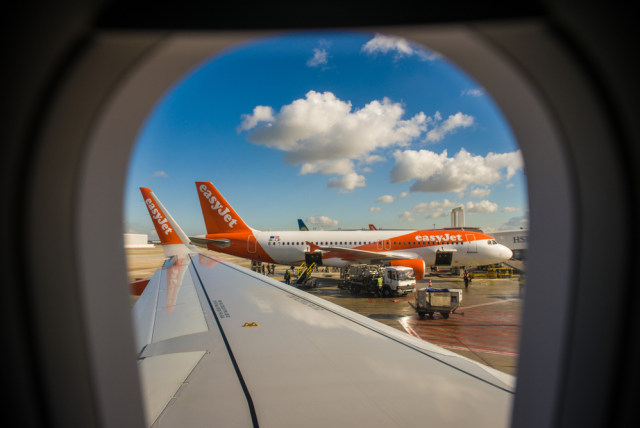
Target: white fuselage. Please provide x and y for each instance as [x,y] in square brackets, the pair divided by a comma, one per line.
[466,248]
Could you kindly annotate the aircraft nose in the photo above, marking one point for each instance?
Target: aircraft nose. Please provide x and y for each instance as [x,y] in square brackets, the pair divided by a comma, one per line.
[506,252]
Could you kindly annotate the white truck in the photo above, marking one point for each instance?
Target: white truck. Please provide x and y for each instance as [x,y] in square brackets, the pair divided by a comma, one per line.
[362,278]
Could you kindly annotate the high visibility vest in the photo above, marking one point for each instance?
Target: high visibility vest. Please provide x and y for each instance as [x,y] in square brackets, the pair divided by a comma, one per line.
[379,282]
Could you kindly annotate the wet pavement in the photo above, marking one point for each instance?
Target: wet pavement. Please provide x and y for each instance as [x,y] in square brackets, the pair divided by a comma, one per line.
[485,328]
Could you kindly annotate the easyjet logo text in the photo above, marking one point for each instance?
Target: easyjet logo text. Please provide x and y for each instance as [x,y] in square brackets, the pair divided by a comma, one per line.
[439,238]
[217,207]
[156,214]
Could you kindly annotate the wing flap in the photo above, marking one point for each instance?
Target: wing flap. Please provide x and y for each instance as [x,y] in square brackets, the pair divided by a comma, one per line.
[160,390]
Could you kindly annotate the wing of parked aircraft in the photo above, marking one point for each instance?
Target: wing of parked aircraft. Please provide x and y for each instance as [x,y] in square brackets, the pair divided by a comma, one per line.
[363,256]
[218,343]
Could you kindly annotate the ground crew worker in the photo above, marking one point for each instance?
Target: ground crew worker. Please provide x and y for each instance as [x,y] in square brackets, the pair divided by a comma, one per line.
[466,279]
[287,277]
[380,286]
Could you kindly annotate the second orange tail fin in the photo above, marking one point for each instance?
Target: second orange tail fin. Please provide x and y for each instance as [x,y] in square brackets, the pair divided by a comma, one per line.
[218,215]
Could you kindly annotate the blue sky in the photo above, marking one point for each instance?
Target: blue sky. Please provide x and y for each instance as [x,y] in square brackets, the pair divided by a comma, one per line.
[339,129]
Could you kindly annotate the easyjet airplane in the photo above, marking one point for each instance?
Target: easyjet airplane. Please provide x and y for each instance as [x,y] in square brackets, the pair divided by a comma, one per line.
[228,233]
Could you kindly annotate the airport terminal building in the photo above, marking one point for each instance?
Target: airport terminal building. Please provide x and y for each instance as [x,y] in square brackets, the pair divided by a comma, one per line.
[515,240]
[136,240]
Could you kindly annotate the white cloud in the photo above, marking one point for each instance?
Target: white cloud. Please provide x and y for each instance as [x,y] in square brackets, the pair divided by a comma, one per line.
[347,182]
[435,209]
[476,92]
[327,167]
[482,207]
[327,136]
[450,125]
[510,209]
[260,114]
[407,215]
[511,161]
[521,222]
[320,57]
[434,172]
[160,174]
[403,195]
[385,199]
[479,192]
[399,46]
[375,209]
[322,221]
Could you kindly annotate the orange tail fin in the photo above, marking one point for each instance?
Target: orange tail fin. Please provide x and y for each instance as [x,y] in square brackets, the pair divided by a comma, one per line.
[218,215]
[173,239]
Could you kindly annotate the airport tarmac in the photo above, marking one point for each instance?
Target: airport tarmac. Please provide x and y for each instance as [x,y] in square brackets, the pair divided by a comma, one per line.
[485,328]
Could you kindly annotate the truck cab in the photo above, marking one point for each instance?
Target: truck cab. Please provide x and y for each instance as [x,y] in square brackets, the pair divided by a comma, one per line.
[399,279]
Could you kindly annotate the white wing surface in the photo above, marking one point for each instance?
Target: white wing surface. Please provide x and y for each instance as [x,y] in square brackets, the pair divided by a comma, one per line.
[220,345]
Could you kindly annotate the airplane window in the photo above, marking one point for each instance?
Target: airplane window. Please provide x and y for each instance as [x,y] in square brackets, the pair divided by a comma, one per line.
[459,125]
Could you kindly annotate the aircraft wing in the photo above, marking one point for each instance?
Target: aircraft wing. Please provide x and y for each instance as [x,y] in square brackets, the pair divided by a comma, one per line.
[202,241]
[219,344]
[363,256]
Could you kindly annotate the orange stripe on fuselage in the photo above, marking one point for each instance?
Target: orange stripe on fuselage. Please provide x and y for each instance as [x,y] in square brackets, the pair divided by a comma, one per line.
[422,238]
[411,241]
[240,246]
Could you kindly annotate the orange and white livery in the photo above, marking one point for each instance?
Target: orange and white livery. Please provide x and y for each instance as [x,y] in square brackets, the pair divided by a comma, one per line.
[174,240]
[228,233]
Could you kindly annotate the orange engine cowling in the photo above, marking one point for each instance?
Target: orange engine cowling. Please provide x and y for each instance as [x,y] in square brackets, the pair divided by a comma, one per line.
[416,264]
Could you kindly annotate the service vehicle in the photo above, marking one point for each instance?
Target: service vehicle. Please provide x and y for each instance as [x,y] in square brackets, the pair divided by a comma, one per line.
[432,300]
[384,281]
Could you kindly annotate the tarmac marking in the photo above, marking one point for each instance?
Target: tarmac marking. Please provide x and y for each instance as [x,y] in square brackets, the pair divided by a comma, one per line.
[487,304]
[477,331]
[385,301]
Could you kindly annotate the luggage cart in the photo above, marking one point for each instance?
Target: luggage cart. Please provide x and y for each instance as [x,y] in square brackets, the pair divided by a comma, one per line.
[432,300]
